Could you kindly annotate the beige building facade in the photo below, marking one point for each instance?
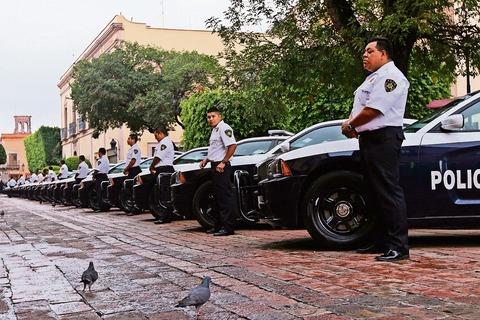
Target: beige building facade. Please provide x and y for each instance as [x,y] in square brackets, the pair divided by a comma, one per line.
[17,164]
[75,134]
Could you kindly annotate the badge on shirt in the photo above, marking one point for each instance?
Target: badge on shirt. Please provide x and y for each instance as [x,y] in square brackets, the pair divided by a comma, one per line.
[135,151]
[99,163]
[390,85]
[228,132]
[163,147]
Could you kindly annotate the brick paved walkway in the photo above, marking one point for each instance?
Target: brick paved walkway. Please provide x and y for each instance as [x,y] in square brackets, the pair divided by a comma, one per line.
[257,274]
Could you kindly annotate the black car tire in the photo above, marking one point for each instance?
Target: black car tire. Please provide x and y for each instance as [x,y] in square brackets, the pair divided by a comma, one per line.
[126,201]
[95,203]
[203,204]
[335,210]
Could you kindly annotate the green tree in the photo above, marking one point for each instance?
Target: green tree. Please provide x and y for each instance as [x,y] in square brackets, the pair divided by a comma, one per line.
[40,148]
[310,55]
[3,155]
[237,109]
[139,86]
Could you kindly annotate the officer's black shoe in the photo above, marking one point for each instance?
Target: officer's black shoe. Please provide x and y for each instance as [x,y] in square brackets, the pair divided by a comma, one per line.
[374,248]
[162,221]
[212,230]
[392,256]
[223,232]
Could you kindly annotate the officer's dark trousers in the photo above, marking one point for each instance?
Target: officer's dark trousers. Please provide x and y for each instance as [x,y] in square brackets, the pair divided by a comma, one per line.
[380,153]
[133,172]
[99,177]
[223,197]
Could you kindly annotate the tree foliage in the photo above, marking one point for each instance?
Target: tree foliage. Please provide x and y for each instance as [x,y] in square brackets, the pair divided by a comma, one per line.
[310,57]
[237,109]
[3,155]
[41,149]
[139,86]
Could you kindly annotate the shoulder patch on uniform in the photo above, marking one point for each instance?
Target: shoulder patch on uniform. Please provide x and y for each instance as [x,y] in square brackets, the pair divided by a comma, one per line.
[163,147]
[216,129]
[135,151]
[390,85]
[228,132]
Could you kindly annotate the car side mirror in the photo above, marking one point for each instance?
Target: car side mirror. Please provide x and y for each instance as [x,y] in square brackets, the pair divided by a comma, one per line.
[453,122]
[285,147]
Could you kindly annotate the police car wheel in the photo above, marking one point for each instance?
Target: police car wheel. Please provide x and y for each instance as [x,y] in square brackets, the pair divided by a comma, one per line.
[126,202]
[336,212]
[203,204]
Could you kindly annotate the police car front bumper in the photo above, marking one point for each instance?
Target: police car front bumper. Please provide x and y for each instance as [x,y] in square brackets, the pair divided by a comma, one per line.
[281,199]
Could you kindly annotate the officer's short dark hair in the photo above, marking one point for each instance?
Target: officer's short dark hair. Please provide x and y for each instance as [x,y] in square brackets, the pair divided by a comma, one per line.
[162,129]
[133,136]
[82,158]
[102,151]
[62,161]
[383,44]
[214,109]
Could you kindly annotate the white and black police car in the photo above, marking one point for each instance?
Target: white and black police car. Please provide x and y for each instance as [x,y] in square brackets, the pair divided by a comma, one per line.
[321,188]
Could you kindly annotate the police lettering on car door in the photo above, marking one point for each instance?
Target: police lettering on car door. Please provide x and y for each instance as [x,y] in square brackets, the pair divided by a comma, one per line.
[455,179]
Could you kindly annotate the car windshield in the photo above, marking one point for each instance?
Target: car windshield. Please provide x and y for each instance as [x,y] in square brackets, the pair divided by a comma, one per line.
[146,164]
[414,127]
[191,157]
[319,135]
[253,147]
[119,168]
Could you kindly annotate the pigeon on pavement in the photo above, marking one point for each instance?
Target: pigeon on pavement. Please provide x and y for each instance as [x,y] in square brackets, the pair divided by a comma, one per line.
[2,213]
[89,277]
[198,296]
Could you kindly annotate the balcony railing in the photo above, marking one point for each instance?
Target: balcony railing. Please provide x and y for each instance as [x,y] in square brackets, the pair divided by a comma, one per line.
[82,125]
[63,133]
[72,128]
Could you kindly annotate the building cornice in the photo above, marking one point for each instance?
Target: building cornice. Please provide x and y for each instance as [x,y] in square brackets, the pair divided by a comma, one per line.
[90,51]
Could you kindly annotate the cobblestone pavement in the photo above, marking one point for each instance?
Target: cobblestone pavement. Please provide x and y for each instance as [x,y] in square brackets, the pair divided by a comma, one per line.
[257,274]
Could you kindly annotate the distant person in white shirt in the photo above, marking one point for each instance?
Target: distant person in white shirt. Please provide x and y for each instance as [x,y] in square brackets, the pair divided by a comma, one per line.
[51,175]
[82,170]
[34,177]
[63,170]
[11,183]
[134,157]
[21,181]
[101,171]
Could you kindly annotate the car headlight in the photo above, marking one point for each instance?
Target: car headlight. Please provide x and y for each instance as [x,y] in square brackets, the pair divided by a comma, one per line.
[279,168]
[180,178]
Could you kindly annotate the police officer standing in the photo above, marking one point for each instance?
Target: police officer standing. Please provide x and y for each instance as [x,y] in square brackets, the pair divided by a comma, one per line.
[377,120]
[162,162]
[222,146]
[82,170]
[103,165]
[134,157]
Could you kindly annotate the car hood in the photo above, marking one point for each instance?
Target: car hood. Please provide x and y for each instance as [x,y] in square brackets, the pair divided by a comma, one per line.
[341,146]
[236,161]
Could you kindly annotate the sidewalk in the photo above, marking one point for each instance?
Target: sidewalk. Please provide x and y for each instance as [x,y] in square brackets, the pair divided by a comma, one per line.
[144,269]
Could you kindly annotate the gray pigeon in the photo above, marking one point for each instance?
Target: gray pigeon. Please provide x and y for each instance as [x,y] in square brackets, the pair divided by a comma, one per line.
[198,296]
[89,277]
[2,213]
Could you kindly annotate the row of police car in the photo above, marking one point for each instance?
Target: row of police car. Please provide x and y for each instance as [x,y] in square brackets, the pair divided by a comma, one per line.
[311,180]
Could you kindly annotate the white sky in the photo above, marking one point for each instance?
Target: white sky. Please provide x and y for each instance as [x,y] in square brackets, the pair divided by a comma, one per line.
[40,39]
